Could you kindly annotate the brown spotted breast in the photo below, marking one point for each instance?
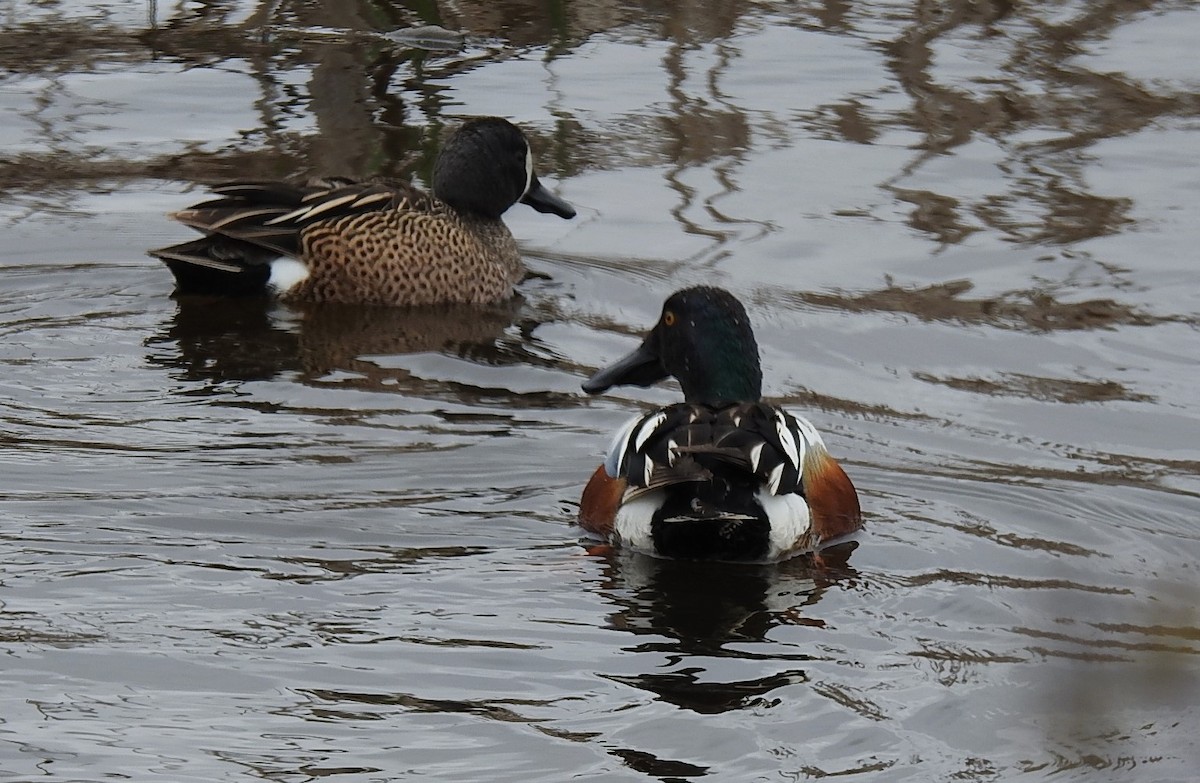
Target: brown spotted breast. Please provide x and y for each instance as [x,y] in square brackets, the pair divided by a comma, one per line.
[409,256]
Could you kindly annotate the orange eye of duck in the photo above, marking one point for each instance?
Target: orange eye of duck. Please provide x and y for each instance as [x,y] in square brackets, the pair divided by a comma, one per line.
[669,318]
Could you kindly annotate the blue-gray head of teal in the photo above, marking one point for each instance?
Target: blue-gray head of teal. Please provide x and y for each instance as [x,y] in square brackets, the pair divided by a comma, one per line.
[486,166]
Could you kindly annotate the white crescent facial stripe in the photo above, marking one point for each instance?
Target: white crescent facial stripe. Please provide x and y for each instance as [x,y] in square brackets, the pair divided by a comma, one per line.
[528,171]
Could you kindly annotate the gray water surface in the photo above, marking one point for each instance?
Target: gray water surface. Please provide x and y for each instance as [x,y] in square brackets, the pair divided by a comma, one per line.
[246,541]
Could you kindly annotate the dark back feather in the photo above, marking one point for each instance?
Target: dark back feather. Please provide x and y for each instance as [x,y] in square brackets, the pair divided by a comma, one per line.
[749,444]
[267,219]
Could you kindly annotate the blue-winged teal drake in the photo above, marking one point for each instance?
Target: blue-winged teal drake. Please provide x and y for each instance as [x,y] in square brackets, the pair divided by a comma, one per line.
[377,242]
[723,475]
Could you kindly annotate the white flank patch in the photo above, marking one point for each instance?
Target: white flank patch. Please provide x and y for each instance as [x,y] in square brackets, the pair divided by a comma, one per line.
[789,519]
[632,524]
[286,274]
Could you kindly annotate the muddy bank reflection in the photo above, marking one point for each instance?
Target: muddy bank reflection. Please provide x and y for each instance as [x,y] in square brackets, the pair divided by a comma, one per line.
[1036,102]
[1037,311]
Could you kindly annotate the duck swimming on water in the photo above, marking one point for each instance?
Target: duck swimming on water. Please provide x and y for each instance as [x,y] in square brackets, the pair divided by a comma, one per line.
[722,475]
[372,242]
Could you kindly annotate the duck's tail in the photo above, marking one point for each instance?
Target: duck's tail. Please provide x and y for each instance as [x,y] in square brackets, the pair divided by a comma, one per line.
[219,266]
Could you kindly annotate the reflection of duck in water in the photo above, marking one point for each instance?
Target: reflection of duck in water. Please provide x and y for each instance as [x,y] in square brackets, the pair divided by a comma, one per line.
[377,242]
[250,339]
[697,613]
[723,475]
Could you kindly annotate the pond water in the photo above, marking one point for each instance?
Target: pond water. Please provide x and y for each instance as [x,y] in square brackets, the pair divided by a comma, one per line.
[241,541]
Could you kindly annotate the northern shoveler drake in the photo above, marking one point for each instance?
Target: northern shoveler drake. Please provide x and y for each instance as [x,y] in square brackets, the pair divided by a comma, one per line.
[723,475]
[377,242]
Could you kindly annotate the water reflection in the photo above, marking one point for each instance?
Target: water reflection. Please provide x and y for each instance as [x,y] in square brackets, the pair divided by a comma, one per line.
[371,101]
[663,769]
[221,339]
[961,174]
[688,612]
